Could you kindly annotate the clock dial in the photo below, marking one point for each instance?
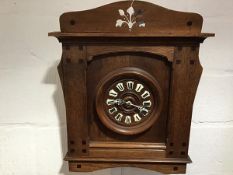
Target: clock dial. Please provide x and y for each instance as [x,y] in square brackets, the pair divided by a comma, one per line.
[128,101]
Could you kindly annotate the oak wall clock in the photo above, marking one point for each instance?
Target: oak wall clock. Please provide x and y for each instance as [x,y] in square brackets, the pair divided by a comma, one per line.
[129,73]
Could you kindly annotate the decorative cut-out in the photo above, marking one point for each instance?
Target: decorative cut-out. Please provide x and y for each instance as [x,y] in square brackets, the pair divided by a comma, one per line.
[130,18]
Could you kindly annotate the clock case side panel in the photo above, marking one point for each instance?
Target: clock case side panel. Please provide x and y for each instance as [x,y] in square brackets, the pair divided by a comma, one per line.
[186,74]
[72,72]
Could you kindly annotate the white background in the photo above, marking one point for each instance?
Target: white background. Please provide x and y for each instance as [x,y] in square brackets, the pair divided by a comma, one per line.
[32,117]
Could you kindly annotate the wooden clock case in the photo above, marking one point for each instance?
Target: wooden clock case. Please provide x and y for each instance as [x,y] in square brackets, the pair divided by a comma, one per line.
[163,43]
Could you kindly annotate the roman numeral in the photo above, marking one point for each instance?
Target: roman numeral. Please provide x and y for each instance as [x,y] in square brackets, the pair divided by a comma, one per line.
[110,102]
[120,86]
[139,87]
[128,120]
[113,93]
[145,95]
[137,118]
[118,117]
[130,85]
[112,110]
[145,112]
[147,103]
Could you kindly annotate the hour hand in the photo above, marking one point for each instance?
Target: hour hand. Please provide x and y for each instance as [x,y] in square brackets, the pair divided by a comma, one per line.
[116,101]
[119,101]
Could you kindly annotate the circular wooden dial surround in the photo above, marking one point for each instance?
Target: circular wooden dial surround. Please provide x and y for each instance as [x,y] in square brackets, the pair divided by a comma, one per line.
[128,100]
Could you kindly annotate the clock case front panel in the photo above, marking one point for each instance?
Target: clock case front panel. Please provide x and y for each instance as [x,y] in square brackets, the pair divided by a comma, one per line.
[164,146]
[167,48]
[158,67]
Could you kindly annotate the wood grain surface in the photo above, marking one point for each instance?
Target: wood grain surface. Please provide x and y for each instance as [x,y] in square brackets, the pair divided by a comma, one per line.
[166,47]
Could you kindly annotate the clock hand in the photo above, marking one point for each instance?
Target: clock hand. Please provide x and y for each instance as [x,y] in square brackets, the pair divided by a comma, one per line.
[119,101]
[131,104]
[142,109]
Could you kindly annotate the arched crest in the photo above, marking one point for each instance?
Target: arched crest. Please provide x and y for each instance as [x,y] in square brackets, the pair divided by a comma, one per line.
[135,17]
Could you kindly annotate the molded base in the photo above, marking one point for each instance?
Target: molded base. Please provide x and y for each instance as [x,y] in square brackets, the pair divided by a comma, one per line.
[162,165]
[77,166]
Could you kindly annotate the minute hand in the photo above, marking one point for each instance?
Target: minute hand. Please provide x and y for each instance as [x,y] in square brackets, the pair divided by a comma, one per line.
[140,108]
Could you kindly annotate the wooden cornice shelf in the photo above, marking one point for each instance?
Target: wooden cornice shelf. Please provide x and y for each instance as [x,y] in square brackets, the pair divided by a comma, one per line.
[112,35]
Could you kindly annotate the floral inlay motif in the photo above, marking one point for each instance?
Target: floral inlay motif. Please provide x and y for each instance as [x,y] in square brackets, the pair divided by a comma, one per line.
[131,17]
